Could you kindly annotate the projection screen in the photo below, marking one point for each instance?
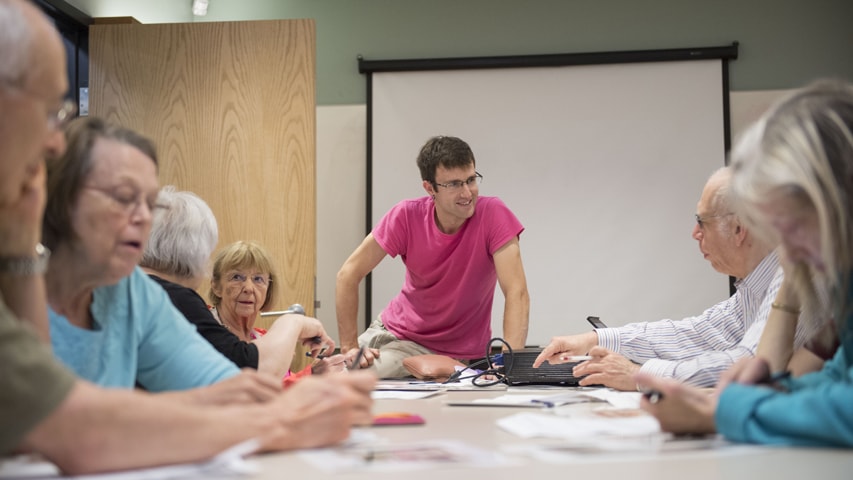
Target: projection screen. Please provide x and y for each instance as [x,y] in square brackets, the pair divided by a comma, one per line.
[602,157]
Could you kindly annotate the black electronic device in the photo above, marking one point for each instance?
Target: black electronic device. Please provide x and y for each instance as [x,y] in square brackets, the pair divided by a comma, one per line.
[518,370]
[596,322]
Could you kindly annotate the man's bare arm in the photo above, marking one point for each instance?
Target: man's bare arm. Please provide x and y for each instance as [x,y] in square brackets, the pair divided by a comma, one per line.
[510,273]
[362,261]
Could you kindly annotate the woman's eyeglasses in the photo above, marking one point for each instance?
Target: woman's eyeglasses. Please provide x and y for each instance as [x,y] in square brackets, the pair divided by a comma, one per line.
[258,279]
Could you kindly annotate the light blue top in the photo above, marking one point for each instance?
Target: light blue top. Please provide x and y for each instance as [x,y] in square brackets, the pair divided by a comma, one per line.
[138,335]
[817,410]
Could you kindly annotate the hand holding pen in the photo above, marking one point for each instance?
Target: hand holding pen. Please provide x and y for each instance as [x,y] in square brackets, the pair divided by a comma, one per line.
[678,407]
[362,357]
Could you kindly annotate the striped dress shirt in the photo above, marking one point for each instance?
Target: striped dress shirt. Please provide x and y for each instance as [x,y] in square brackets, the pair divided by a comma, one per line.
[697,349]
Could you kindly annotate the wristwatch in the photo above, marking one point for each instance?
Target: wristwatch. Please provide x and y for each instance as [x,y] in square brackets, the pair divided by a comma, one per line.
[23,266]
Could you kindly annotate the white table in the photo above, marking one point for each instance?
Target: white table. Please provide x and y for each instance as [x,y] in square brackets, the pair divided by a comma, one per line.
[476,425]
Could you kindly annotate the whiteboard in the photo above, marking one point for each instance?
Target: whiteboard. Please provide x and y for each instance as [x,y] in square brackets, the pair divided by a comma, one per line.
[603,165]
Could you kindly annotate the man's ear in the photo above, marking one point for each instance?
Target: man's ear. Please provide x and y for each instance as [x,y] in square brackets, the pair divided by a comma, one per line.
[429,188]
[740,231]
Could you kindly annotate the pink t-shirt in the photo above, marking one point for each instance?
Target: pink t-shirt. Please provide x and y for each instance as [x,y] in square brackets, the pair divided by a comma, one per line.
[446,301]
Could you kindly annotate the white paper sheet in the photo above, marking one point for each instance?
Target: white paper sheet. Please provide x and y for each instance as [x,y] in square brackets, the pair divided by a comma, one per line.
[229,463]
[532,425]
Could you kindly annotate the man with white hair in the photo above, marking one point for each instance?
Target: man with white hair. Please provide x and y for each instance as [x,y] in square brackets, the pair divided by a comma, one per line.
[695,349]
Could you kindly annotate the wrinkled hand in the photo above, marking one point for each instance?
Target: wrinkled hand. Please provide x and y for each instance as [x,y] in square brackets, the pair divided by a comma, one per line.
[318,412]
[21,213]
[567,345]
[310,330]
[747,371]
[607,368]
[370,354]
[681,408]
[248,386]
[335,363]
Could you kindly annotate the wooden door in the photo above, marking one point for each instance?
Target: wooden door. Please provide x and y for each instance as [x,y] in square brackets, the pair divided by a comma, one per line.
[231,107]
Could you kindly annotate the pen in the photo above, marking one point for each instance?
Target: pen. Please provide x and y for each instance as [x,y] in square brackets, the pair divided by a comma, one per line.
[774,379]
[319,354]
[575,358]
[356,363]
[653,396]
[545,403]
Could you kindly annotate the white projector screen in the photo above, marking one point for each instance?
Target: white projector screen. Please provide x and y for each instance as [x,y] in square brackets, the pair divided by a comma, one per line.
[603,164]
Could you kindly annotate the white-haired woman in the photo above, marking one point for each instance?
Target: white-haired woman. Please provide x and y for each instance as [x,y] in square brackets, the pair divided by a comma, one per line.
[183,236]
[793,178]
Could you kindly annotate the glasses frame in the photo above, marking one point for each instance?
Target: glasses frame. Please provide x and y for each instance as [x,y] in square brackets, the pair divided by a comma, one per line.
[233,278]
[56,118]
[701,221]
[129,207]
[456,185]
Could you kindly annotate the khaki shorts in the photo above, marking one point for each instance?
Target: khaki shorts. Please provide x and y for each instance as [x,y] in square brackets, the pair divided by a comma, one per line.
[392,350]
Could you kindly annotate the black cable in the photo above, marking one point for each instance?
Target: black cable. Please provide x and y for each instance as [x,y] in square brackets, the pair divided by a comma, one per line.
[492,370]
[457,375]
[497,371]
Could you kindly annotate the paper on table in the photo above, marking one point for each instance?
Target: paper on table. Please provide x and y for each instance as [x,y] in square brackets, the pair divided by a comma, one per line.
[421,455]
[616,398]
[530,425]
[536,400]
[229,463]
[402,394]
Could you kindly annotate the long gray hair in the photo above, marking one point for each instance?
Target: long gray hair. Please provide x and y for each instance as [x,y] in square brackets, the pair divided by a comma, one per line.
[802,149]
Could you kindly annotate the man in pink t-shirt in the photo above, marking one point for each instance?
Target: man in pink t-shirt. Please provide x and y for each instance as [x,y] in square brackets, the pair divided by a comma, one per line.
[456,246]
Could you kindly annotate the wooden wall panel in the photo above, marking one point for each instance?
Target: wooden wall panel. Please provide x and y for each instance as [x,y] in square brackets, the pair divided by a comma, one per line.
[231,106]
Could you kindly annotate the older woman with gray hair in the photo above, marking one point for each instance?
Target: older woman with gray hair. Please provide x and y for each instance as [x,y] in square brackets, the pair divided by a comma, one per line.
[793,180]
[183,236]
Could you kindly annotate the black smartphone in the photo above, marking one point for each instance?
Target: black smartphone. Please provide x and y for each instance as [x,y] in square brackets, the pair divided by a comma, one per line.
[596,322]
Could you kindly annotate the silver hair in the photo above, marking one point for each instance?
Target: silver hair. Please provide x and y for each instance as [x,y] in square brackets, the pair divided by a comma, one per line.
[720,203]
[802,150]
[183,235]
[15,43]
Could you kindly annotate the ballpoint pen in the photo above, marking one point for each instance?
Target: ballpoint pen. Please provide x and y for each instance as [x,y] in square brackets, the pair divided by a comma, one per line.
[356,363]
[653,396]
[575,358]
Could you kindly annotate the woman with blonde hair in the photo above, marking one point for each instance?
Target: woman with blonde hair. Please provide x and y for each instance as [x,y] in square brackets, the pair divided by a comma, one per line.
[243,285]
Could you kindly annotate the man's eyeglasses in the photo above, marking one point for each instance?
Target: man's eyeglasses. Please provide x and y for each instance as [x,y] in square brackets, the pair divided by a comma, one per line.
[258,279]
[701,221]
[58,118]
[129,201]
[455,185]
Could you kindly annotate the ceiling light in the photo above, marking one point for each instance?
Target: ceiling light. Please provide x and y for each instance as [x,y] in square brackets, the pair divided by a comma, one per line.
[200,8]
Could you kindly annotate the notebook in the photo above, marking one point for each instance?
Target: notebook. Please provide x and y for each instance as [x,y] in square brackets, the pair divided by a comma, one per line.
[518,370]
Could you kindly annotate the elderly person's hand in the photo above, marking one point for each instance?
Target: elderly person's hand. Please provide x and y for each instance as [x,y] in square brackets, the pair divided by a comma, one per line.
[607,368]
[335,363]
[311,334]
[367,357]
[318,412]
[678,407]
[565,346]
[21,212]
[249,386]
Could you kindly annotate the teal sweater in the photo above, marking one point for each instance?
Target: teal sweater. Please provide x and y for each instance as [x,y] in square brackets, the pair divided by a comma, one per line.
[817,410]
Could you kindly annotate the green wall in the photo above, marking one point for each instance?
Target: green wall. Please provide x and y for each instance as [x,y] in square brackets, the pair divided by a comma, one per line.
[783,43]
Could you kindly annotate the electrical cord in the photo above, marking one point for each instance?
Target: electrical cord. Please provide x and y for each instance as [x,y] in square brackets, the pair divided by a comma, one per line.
[494,374]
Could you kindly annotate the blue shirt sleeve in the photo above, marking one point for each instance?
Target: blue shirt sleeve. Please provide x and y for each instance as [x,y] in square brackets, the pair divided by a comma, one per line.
[817,411]
[172,355]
